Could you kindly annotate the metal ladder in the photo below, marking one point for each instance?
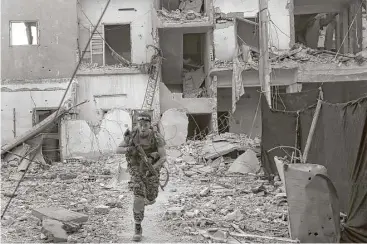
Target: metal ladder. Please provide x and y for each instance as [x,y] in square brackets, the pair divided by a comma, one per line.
[153,71]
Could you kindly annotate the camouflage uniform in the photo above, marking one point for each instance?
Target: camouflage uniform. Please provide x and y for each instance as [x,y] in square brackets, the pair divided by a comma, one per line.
[143,187]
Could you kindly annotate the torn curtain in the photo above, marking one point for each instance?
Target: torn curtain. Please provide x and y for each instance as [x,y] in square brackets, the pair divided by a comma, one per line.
[339,144]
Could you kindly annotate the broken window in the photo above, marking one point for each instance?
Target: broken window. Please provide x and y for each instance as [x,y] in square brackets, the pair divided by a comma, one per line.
[111,45]
[316,31]
[23,33]
[193,65]
[223,122]
[51,136]
[199,126]
[117,44]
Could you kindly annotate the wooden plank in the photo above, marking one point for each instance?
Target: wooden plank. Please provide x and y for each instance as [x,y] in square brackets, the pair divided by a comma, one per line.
[40,127]
[344,31]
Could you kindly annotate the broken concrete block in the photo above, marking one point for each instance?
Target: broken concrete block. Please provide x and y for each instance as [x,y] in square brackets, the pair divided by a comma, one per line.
[60,214]
[102,209]
[173,126]
[67,176]
[54,231]
[15,160]
[245,163]
[175,212]
[234,216]
[205,192]
[218,236]
[216,149]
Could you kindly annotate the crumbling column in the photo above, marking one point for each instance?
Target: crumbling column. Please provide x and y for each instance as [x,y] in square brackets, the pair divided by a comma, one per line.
[214,94]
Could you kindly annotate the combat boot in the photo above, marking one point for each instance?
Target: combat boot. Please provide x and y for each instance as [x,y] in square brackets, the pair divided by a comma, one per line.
[138,233]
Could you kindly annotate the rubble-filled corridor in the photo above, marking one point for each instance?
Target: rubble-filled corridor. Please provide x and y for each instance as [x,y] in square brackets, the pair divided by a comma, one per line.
[202,201]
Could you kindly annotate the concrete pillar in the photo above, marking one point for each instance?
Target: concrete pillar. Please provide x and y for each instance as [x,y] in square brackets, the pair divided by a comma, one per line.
[214,92]
[280,21]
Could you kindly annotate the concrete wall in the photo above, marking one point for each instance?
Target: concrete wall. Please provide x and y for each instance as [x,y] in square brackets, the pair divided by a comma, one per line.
[280,29]
[251,78]
[140,20]
[55,56]
[243,117]
[110,92]
[170,100]
[224,41]
[24,98]
[78,139]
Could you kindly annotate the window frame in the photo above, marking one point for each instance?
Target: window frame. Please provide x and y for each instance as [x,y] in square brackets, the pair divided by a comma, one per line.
[24,21]
[104,24]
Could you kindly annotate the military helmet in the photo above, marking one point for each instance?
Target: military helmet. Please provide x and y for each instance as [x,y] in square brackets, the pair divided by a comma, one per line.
[144,116]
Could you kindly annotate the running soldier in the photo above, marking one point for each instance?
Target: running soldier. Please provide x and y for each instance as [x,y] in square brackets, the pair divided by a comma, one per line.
[143,183]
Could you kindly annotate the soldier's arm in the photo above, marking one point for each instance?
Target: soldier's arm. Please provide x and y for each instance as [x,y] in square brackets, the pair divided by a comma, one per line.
[123,148]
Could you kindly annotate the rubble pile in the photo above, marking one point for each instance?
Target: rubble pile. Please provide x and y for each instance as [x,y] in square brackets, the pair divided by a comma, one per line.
[223,64]
[224,198]
[72,189]
[85,66]
[182,16]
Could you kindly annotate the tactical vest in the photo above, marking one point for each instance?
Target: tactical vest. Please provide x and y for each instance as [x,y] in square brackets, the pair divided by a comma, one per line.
[149,145]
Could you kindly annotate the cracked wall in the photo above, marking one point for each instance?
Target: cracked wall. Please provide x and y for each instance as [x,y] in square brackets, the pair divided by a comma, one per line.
[55,56]
[109,92]
[79,139]
[22,98]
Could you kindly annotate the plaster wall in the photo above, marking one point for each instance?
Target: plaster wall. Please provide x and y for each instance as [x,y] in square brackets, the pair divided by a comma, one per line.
[24,98]
[110,92]
[170,100]
[140,21]
[78,139]
[279,28]
[224,41]
[56,54]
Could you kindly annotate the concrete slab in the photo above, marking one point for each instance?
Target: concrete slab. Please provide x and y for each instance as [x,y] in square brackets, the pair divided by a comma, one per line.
[173,126]
[245,163]
[54,231]
[60,214]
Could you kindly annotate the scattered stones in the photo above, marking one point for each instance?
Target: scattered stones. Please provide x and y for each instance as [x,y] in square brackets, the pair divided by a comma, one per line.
[67,176]
[54,231]
[71,227]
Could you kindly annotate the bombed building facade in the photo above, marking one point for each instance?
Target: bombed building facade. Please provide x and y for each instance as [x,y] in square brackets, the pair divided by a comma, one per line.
[193,64]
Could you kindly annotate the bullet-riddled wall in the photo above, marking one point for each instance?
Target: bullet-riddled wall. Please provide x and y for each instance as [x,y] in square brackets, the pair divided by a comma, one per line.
[55,55]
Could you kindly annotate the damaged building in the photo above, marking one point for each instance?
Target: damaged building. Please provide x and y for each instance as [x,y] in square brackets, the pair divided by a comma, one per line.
[192,63]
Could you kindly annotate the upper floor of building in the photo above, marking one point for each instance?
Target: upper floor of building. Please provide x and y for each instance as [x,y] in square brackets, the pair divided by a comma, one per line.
[42,40]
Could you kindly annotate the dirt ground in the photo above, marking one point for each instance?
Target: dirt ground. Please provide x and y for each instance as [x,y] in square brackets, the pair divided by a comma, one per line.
[77,186]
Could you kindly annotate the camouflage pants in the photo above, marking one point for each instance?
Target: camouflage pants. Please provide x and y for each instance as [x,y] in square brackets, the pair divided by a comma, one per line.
[143,188]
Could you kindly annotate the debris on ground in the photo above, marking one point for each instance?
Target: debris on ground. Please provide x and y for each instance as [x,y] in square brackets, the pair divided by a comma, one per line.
[206,201]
